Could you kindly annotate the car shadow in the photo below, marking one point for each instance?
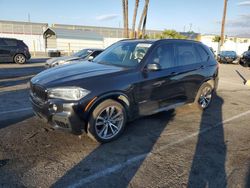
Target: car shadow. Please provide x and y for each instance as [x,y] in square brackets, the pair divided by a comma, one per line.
[144,132]
[208,165]
[12,101]
[14,72]
[14,82]
[38,60]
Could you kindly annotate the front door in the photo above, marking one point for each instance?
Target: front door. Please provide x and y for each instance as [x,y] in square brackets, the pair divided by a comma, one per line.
[161,88]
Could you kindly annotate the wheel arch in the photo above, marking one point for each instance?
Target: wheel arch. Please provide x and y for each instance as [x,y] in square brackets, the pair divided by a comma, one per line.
[117,96]
[211,81]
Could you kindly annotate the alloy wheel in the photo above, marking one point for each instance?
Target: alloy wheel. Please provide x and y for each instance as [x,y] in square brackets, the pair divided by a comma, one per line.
[205,97]
[20,59]
[109,122]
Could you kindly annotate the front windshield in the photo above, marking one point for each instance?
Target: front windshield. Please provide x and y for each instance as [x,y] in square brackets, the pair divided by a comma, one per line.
[82,53]
[124,54]
[231,53]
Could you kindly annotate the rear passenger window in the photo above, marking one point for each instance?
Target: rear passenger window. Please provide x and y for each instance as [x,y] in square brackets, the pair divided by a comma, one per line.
[187,54]
[202,53]
[10,42]
[163,55]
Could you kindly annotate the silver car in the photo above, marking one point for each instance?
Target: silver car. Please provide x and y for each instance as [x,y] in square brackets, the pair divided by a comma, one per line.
[85,54]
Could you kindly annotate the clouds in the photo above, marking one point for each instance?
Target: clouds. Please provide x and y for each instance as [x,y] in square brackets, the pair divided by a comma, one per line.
[244,3]
[107,17]
[242,21]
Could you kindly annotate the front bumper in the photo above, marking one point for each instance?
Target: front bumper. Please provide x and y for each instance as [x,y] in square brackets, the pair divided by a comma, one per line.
[228,60]
[28,55]
[64,117]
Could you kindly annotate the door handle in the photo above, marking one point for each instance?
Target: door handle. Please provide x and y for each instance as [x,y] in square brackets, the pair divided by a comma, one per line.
[174,73]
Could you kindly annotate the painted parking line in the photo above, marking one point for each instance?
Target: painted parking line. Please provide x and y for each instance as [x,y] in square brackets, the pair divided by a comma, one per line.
[18,110]
[138,158]
[231,83]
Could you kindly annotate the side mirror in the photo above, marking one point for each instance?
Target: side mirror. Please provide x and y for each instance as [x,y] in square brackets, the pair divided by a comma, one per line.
[90,58]
[154,67]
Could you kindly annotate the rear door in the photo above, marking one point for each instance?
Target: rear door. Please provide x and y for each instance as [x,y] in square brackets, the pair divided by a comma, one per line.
[191,61]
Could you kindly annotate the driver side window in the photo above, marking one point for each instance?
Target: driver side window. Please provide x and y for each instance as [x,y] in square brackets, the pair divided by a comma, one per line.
[163,55]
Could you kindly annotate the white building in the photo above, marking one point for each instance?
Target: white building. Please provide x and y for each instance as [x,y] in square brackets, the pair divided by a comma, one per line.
[71,40]
[238,44]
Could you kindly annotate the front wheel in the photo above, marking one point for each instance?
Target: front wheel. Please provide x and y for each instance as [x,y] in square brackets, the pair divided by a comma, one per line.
[20,59]
[204,96]
[107,121]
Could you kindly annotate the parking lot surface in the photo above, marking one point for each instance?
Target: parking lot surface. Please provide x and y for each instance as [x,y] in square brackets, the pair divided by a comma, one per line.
[180,148]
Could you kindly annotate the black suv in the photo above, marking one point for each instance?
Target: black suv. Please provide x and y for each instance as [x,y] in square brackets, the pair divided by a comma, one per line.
[245,59]
[129,79]
[13,50]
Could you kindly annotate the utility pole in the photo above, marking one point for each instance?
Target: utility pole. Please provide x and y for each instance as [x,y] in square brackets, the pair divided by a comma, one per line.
[28,17]
[223,25]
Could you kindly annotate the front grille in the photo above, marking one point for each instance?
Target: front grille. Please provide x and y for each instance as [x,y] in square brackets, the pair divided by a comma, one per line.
[38,91]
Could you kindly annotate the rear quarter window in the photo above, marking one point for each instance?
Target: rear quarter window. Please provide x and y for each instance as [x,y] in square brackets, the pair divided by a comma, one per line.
[202,53]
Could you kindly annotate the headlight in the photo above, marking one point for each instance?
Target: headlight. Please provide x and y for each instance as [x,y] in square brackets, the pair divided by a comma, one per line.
[67,93]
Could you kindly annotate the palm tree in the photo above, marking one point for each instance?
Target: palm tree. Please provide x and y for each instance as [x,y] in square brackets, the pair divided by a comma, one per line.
[125,17]
[134,18]
[143,19]
[126,10]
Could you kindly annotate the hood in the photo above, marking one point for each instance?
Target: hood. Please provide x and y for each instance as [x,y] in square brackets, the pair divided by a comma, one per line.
[72,72]
[64,58]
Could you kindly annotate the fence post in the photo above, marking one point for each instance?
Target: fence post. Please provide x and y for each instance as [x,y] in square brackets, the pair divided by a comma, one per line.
[68,49]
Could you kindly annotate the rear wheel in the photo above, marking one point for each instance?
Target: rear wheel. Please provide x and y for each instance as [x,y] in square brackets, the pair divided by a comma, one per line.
[20,59]
[204,96]
[107,121]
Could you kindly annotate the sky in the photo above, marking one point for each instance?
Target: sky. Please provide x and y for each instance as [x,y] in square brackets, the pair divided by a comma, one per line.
[203,16]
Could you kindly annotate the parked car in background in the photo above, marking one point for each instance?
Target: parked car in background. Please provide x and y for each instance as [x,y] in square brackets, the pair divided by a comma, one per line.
[85,54]
[245,59]
[227,57]
[13,50]
[131,78]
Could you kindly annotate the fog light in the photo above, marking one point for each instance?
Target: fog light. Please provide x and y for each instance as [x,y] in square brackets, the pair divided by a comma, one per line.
[53,108]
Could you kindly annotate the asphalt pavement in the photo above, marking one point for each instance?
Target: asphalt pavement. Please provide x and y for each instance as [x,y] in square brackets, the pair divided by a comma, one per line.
[180,148]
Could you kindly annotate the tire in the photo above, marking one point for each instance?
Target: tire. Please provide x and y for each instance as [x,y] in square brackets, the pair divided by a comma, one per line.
[102,126]
[20,59]
[204,96]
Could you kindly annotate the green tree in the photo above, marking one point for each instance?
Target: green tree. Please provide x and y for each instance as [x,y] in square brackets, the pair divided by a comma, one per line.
[216,38]
[169,34]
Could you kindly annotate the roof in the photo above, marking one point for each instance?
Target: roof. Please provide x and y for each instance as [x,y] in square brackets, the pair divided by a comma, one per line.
[73,34]
[158,40]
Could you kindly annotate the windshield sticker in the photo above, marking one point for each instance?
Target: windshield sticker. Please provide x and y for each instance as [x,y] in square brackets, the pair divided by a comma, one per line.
[143,45]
